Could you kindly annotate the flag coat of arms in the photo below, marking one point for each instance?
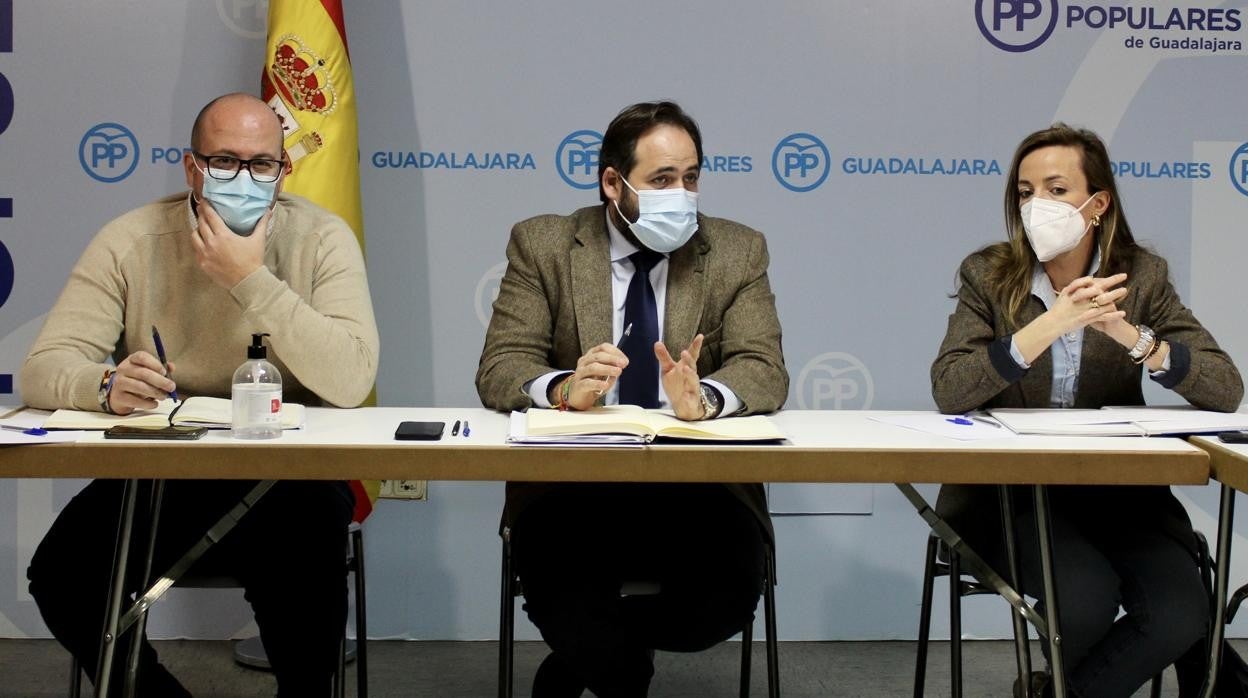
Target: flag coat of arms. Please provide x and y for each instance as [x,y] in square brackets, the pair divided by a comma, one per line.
[307,81]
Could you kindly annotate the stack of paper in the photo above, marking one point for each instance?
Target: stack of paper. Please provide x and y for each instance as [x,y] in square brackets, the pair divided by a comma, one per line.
[1119,421]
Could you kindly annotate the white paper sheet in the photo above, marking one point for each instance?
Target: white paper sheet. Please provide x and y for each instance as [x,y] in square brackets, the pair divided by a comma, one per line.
[959,427]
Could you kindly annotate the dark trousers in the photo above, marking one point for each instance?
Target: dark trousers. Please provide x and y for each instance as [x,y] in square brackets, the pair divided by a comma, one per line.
[575,547]
[288,552]
[1105,558]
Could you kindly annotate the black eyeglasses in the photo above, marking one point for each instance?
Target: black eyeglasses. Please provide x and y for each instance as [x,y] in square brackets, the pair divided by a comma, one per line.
[226,167]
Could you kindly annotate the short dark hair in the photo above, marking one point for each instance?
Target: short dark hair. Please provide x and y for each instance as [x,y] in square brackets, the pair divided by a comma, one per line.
[619,144]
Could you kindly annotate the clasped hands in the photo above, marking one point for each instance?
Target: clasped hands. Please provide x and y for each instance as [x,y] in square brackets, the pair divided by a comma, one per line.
[598,370]
[1093,302]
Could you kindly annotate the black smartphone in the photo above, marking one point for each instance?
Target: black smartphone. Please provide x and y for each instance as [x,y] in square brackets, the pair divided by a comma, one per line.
[122,431]
[419,431]
[1233,437]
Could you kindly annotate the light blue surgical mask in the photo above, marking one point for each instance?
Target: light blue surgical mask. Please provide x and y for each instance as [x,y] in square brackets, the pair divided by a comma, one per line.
[241,201]
[666,218]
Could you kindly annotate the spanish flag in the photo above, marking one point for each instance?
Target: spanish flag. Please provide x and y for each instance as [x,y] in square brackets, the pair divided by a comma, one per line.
[307,81]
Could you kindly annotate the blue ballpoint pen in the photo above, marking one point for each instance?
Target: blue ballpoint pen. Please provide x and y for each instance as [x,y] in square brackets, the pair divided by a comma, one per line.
[160,354]
[30,431]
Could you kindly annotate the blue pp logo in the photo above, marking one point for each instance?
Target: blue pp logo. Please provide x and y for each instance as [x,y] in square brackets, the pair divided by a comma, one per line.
[800,162]
[1016,25]
[577,159]
[1239,169]
[6,103]
[108,152]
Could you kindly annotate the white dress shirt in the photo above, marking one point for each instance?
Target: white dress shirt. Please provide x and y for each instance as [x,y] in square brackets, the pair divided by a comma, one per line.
[622,270]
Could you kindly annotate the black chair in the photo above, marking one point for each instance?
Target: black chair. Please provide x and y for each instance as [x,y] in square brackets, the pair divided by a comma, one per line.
[510,589]
[943,562]
[250,652]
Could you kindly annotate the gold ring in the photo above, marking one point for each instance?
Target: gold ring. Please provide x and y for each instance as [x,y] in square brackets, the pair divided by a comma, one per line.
[1094,303]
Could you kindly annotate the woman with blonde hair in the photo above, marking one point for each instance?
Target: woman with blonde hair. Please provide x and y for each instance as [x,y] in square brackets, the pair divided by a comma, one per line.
[1068,312]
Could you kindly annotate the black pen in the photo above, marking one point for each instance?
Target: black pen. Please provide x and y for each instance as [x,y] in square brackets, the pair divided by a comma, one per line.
[624,335]
[466,429]
[160,354]
[455,429]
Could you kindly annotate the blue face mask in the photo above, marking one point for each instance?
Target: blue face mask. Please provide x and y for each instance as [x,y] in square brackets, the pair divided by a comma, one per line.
[666,218]
[241,201]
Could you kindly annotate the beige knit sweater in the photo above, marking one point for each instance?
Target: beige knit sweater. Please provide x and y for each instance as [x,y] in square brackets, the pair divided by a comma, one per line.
[311,296]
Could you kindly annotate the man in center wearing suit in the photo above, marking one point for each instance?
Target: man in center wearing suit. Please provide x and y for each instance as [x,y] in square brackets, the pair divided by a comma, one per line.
[703,340]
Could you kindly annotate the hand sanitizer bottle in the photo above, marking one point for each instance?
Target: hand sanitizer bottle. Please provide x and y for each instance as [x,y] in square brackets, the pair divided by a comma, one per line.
[257,395]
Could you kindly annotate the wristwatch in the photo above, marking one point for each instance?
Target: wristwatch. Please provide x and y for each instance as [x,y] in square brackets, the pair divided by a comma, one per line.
[712,403]
[106,387]
[1147,337]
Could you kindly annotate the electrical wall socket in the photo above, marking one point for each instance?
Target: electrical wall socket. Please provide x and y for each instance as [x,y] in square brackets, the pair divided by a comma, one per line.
[404,489]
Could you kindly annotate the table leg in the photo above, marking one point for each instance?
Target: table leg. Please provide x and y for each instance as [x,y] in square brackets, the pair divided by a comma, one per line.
[1045,534]
[140,627]
[115,621]
[982,570]
[117,590]
[1222,568]
[1021,650]
[179,568]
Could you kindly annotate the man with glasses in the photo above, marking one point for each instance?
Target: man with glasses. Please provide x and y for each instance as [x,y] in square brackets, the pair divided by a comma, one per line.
[209,267]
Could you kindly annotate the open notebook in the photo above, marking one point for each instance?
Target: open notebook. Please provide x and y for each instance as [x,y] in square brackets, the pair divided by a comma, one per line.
[211,412]
[629,424]
[1119,421]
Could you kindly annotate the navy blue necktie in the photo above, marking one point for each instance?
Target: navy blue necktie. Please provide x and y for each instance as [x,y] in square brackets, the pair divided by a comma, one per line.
[639,383]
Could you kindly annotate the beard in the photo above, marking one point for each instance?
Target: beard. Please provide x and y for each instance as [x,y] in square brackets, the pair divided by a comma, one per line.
[628,212]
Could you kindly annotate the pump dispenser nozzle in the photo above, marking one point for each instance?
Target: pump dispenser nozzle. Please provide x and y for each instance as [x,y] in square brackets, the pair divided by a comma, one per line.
[257,350]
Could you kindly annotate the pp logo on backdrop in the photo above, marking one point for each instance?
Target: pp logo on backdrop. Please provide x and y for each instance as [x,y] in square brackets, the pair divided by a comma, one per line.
[800,162]
[108,152]
[1016,25]
[247,18]
[487,292]
[837,381]
[6,103]
[1239,169]
[577,159]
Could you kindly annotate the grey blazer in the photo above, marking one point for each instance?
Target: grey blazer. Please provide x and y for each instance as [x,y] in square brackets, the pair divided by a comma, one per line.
[554,304]
[974,370]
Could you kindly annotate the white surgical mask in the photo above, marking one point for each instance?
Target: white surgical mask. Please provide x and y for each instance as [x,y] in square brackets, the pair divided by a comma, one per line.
[1053,227]
[666,218]
[241,201]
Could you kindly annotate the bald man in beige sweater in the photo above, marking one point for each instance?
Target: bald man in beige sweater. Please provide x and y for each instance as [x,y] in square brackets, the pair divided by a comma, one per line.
[209,267]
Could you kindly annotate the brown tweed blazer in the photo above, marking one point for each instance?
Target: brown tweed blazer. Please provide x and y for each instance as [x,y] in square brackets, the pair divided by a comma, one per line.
[966,376]
[554,304]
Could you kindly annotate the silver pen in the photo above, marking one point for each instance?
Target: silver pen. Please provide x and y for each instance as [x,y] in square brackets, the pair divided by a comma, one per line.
[985,420]
[623,337]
